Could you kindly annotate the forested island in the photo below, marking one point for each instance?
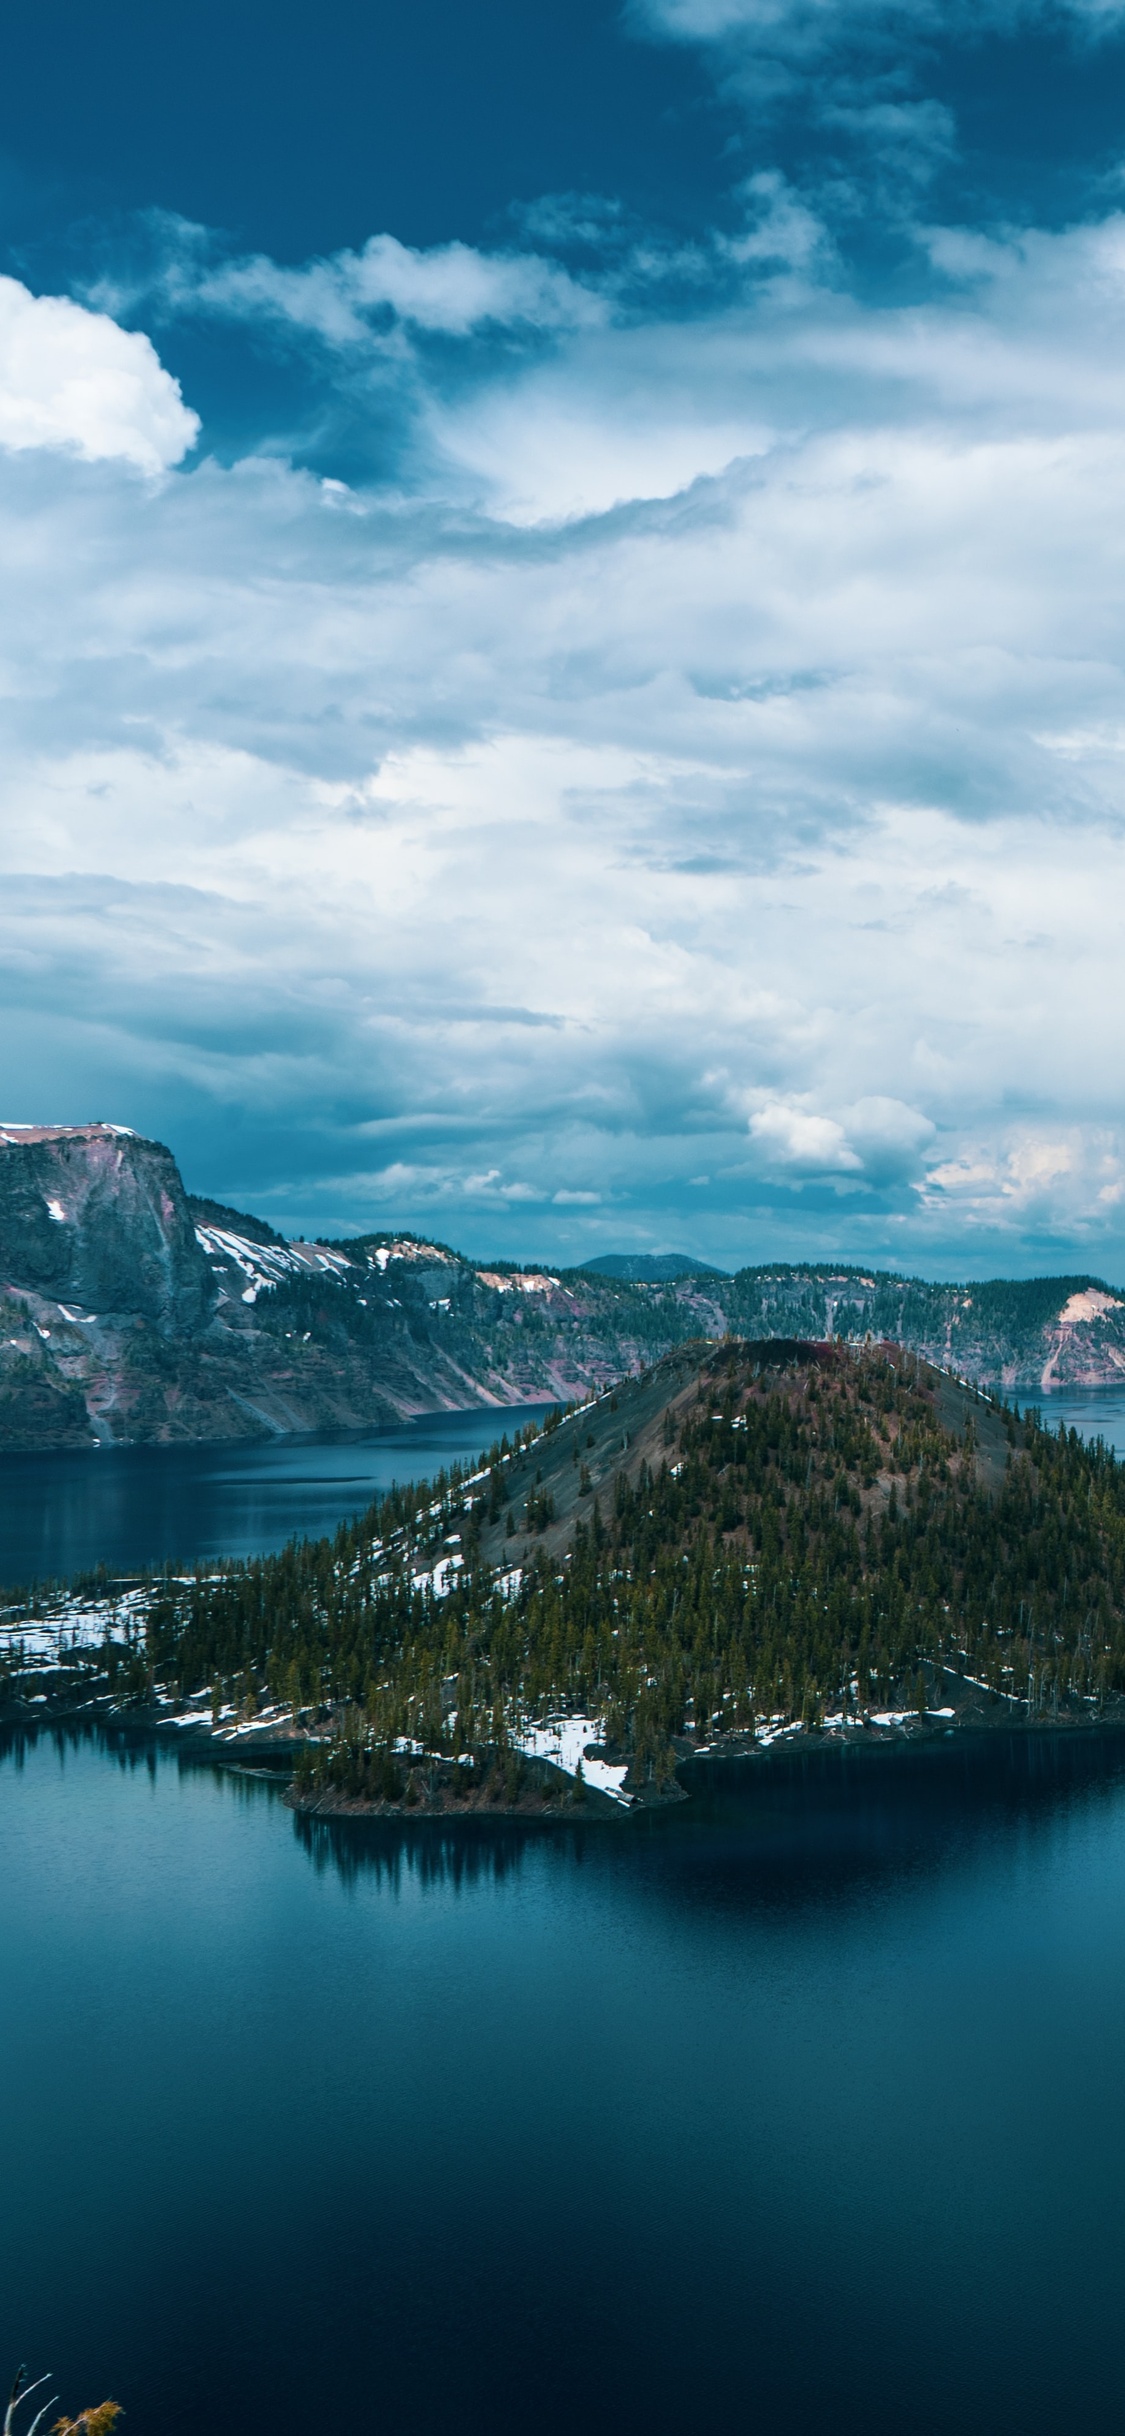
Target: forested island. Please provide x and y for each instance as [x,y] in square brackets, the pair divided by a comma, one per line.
[748,1542]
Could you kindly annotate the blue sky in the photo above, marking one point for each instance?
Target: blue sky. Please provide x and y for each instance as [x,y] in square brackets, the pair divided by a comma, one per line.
[562,638]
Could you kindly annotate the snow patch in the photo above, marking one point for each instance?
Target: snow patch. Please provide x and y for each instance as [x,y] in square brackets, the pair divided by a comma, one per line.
[440,1579]
[265,1264]
[404,1249]
[523,1281]
[564,1741]
[74,1624]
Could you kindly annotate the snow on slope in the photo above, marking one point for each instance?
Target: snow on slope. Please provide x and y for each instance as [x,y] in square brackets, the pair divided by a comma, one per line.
[73,1623]
[564,1741]
[265,1264]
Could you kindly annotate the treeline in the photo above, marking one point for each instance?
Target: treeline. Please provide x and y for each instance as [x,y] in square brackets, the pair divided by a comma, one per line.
[599,1327]
[809,1543]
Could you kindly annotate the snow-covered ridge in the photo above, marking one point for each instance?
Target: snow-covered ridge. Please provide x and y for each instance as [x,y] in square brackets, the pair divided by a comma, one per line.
[521,1281]
[22,1134]
[265,1264]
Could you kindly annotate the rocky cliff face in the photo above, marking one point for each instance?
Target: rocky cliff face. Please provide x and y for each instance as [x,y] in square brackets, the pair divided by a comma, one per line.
[96,1217]
[105,1290]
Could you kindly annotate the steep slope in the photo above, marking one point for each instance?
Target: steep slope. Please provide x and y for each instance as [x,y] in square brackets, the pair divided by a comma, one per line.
[103,1284]
[1031,1332]
[95,1216]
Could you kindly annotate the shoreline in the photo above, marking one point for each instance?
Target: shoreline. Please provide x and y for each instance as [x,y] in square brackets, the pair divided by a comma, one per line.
[546,1794]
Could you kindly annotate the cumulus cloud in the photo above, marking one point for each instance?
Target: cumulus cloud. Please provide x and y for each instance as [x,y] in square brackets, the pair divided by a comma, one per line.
[70,378]
[877,1141]
[795,1137]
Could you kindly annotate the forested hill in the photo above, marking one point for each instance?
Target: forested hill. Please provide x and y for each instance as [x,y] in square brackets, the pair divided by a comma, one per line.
[748,1541]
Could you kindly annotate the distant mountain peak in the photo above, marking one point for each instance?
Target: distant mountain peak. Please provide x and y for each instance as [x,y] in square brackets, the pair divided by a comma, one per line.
[650,1268]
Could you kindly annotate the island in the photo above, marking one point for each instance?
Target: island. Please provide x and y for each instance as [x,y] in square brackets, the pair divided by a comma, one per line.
[753,1541]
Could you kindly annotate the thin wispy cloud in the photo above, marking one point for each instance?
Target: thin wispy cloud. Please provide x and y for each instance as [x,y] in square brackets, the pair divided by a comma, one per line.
[351,297]
[803,29]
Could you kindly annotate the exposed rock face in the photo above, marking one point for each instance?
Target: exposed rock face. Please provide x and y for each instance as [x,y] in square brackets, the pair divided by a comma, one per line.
[96,1217]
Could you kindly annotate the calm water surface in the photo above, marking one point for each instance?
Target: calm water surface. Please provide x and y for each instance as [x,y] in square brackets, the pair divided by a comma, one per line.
[801,2108]
[132,1506]
[1095,1412]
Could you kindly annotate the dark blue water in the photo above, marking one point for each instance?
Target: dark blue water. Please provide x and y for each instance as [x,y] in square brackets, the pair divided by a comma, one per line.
[798,2109]
[127,1507]
[1095,1412]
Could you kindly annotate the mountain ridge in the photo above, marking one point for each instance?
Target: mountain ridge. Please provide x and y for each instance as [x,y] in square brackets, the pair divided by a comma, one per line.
[133,1312]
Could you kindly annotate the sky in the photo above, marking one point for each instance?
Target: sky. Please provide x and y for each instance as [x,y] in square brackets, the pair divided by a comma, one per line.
[563,617]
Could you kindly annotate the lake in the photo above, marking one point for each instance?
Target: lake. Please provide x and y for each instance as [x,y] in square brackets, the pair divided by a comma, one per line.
[131,1506]
[1095,1412]
[799,2108]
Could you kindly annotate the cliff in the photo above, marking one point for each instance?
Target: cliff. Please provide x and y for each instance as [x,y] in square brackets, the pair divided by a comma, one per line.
[93,1215]
[103,1282]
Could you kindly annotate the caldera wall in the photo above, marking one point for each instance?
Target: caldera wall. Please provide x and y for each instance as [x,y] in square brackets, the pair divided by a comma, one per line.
[97,1217]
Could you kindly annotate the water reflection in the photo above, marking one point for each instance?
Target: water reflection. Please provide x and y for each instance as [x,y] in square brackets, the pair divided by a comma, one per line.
[466,1853]
[822,1829]
[798,2106]
[135,1750]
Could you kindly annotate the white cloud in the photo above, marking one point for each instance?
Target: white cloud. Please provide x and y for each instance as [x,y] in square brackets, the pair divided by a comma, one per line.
[1066,1186]
[795,1137]
[782,230]
[877,1138]
[771,831]
[456,288]
[888,1135]
[543,453]
[806,26]
[345,299]
[70,378]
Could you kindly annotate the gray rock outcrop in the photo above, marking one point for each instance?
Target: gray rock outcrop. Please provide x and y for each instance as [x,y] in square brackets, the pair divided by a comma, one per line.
[97,1217]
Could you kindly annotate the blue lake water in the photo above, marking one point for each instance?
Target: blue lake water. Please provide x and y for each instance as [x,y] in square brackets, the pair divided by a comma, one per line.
[800,2108]
[1095,1412]
[132,1506]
